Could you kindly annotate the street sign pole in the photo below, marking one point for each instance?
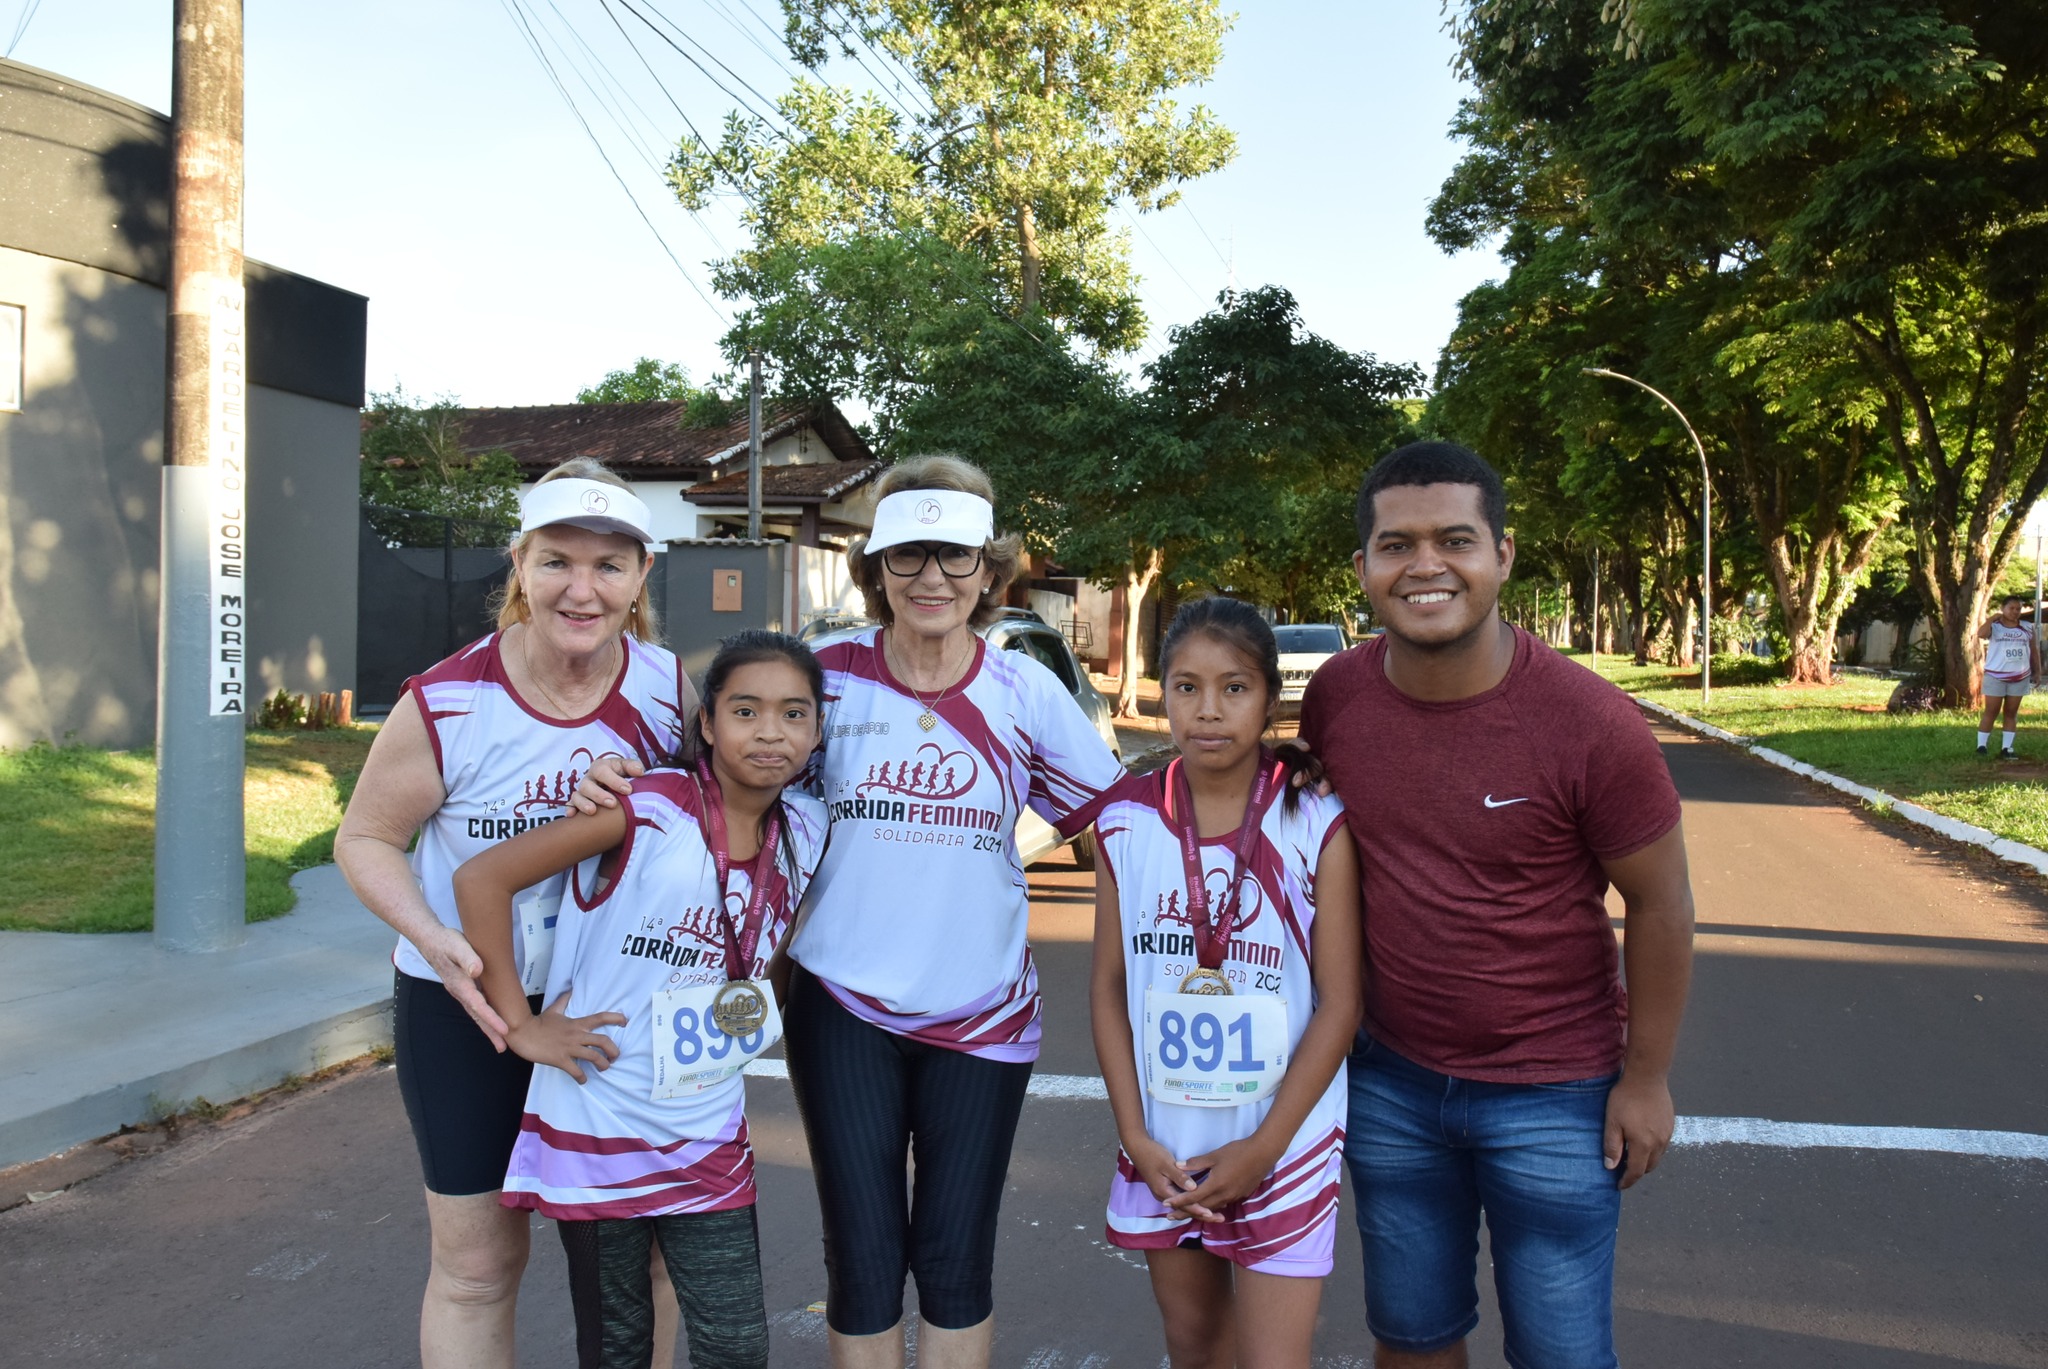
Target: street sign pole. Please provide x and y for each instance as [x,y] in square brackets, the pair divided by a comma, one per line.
[202,616]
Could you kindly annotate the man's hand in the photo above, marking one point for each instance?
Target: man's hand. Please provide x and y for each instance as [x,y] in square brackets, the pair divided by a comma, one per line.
[459,967]
[1235,1171]
[1303,765]
[1640,1120]
[568,1043]
[607,777]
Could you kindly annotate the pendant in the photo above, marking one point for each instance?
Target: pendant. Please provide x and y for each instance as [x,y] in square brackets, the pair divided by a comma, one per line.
[739,1007]
[927,721]
[1206,981]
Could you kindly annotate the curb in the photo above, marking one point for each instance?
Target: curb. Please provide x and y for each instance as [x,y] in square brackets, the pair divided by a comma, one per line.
[227,1076]
[1955,830]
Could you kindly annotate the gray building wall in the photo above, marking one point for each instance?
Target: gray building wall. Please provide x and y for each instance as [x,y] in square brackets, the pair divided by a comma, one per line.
[84,216]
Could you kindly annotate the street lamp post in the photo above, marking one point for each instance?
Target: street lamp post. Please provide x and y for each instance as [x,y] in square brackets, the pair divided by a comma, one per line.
[1706,529]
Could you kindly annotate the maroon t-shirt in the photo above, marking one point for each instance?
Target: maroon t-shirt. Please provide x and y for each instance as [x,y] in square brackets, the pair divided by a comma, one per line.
[1481,824]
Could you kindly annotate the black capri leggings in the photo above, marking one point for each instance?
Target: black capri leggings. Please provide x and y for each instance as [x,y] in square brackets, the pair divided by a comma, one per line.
[869,1098]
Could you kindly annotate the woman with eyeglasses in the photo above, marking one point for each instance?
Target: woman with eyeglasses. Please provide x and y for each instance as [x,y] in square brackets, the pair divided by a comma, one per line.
[914,1014]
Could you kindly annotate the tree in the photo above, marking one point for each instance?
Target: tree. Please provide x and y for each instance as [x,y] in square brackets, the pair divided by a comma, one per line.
[1286,424]
[412,459]
[1034,119]
[1234,465]
[648,379]
[1584,137]
[1081,465]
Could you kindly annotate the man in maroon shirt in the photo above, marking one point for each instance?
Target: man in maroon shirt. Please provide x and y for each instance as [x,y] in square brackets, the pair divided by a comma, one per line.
[1495,790]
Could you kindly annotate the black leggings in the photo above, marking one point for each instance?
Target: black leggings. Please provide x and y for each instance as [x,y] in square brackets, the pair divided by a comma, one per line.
[714,1261]
[869,1098]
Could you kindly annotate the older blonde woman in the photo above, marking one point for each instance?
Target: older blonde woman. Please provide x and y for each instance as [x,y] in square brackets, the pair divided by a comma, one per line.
[488,743]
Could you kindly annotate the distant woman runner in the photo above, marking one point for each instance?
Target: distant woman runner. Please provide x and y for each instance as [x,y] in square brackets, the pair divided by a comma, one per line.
[2012,665]
[487,744]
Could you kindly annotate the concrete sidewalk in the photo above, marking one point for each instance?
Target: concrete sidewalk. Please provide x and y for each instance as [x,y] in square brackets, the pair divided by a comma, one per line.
[102,1031]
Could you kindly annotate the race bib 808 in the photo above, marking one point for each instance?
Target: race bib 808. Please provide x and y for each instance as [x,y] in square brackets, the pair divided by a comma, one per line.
[1213,1050]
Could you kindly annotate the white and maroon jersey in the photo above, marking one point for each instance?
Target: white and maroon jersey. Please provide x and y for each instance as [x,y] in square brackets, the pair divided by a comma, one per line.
[507,767]
[2008,655]
[916,921]
[1287,1226]
[605,1147]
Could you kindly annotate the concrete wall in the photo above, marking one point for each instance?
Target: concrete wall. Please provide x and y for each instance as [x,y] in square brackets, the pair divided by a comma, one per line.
[80,492]
[80,479]
[302,541]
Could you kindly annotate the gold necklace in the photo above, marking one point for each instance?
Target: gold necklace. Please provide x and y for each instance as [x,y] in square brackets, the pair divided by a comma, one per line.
[526,659]
[928,719]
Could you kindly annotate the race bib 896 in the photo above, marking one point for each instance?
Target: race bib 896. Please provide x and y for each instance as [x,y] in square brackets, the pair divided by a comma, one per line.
[691,1054]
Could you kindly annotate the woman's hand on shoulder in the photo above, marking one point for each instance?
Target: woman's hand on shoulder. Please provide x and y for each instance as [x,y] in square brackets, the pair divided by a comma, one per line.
[568,1043]
[607,777]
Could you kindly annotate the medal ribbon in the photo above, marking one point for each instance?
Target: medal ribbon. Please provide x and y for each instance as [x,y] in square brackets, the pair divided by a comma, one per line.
[1213,939]
[739,941]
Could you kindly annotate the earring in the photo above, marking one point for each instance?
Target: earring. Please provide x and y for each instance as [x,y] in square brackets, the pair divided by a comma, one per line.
[984,589]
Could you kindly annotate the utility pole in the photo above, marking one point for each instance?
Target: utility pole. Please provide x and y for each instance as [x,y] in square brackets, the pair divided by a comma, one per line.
[202,654]
[754,445]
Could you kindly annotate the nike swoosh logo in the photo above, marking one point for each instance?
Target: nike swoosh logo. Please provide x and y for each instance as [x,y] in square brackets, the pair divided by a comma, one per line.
[1502,803]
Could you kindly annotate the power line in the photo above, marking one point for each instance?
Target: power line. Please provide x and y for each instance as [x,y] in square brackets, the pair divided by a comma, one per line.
[28,13]
[1205,235]
[519,18]
[766,119]
[1161,254]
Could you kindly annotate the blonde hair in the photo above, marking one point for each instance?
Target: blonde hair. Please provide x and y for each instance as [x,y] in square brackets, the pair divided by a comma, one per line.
[511,599]
[1001,554]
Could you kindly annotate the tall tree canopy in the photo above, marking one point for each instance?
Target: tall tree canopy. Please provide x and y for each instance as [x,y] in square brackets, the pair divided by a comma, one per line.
[1819,224]
[649,379]
[1029,122]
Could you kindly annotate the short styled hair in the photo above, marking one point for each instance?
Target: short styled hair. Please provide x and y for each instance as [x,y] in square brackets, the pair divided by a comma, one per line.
[1433,463]
[1002,553]
[2005,599]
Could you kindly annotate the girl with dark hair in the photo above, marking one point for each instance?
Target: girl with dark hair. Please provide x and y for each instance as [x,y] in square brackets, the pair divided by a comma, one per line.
[1226,994]
[681,897]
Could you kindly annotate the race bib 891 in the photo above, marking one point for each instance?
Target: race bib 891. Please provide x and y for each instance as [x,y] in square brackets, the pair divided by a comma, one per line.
[1213,1050]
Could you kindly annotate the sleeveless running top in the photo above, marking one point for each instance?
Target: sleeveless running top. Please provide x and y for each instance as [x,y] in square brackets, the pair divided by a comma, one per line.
[2006,655]
[920,902]
[605,1147]
[507,767]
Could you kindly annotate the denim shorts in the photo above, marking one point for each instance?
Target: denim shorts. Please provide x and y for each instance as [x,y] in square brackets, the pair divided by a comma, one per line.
[1428,1153]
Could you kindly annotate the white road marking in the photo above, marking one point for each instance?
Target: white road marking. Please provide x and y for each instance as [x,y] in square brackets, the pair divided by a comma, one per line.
[1692,1131]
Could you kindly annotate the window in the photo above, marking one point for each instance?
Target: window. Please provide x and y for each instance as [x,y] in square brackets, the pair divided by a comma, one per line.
[1049,651]
[10,356]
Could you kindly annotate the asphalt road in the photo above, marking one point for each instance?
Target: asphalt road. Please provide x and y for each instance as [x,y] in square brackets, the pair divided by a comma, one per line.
[1849,973]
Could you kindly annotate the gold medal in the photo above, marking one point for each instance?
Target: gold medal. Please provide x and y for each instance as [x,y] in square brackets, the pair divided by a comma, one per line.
[740,1007]
[1206,981]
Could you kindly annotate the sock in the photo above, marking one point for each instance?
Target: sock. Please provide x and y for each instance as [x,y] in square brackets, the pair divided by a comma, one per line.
[2010,738]
[1983,739]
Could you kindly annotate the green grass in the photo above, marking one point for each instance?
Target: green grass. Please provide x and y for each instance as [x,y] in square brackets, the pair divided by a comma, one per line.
[77,827]
[1926,758]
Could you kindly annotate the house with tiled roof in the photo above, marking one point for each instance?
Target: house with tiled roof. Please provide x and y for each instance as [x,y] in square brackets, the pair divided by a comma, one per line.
[814,464]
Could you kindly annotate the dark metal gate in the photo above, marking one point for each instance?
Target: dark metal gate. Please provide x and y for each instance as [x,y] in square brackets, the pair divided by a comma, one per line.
[424,584]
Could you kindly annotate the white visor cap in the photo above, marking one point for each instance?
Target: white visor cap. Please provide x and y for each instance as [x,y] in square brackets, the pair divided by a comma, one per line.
[951,516]
[590,504]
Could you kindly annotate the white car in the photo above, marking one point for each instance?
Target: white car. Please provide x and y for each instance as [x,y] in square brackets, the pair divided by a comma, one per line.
[1303,649]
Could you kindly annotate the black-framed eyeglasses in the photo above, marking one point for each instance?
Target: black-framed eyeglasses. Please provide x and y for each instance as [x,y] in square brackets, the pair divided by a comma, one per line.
[907,559]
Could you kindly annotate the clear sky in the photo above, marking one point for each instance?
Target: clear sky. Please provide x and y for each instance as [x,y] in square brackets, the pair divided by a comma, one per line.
[415,151]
